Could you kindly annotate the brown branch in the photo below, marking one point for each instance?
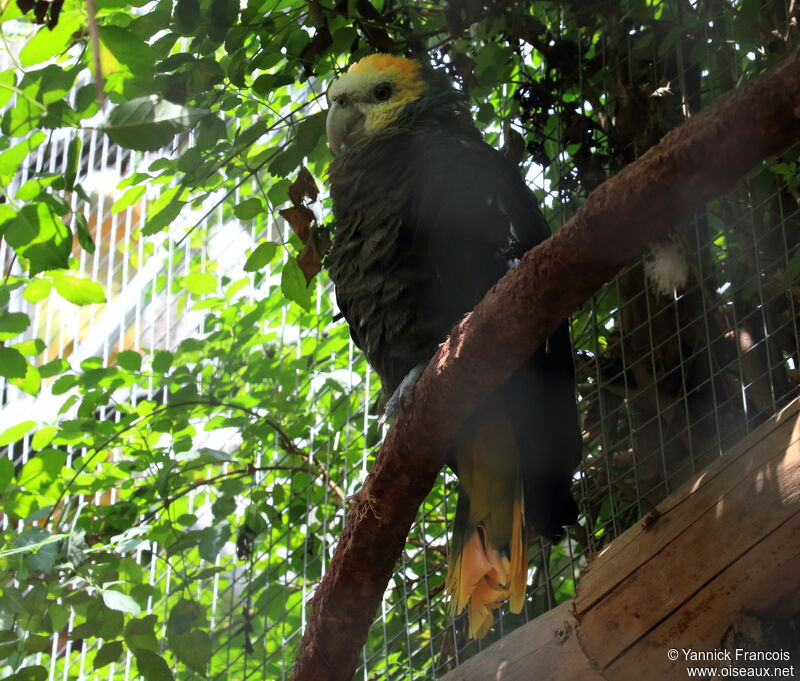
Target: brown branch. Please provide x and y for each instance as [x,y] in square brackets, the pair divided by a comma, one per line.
[695,162]
[94,36]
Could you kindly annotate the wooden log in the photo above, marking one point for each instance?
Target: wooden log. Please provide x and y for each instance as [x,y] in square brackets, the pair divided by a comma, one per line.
[725,544]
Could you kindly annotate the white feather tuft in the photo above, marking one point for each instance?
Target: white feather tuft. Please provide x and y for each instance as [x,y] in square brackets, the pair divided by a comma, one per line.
[666,267]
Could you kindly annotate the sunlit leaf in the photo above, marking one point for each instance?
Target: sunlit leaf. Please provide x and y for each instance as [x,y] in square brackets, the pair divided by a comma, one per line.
[36,233]
[116,600]
[78,290]
[293,284]
[12,324]
[128,49]
[11,158]
[31,382]
[200,283]
[16,432]
[47,43]
[148,123]
[37,289]
[261,256]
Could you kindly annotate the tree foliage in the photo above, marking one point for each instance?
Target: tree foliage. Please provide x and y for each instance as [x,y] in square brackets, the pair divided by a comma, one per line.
[120,518]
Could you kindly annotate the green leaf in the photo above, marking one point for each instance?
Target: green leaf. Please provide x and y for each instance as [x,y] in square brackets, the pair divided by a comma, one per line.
[286,161]
[37,289]
[34,187]
[16,432]
[128,198]
[7,81]
[267,83]
[30,348]
[293,284]
[38,644]
[163,218]
[6,473]
[47,43]
[12,601]
[162,361]
[129,360]
[43,437]
[11,158]
[41,470]
[35,673]
[64,383]
[152,666]
[116,600]
[12,324]
[41,549]
[55,84]
[31,383]
[84,236]
[261,256]
[53,368]
[110,652]
[36,233]
[212,539]
[249,135]
[73,160]
[200,283]
[139,633]
[222,15]
[148,123]
[185,616]
[128,49]
[248,209]
[310,131]
[78,290]
[193,648]
[24,116]
[12,363]
[8,643]
[186,17]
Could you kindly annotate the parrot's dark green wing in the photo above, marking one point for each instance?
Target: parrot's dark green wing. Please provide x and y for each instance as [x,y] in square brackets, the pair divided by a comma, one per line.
[475,216]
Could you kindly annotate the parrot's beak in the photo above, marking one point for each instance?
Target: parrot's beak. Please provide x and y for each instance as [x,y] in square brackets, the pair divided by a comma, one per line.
[345,125]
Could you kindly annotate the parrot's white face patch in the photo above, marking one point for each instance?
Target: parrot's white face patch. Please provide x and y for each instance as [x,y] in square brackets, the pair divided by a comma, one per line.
[379,86]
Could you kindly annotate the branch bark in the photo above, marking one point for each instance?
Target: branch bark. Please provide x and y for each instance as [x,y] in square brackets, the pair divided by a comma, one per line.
[695,162]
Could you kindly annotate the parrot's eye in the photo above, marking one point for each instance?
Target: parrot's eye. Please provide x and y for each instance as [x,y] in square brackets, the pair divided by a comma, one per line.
[382,92]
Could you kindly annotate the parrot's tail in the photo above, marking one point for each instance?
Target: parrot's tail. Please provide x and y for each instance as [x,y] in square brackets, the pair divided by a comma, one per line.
[482,576]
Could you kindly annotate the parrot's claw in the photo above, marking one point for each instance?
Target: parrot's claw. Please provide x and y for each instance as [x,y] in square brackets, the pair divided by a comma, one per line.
[401,395]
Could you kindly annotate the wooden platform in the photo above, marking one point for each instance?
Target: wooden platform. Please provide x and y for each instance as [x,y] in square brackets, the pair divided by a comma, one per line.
[724,545]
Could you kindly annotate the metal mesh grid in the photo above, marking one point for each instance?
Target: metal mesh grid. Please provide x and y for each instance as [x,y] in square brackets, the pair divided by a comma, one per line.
[666,382]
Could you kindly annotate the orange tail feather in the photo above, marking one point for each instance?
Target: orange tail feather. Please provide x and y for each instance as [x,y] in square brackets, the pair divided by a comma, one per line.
[481,577]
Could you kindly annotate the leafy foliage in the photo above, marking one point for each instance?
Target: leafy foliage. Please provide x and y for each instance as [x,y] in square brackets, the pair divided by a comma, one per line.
[157,474]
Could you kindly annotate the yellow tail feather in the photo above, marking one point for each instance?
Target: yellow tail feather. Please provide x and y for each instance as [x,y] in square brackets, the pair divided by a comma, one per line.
[482,578]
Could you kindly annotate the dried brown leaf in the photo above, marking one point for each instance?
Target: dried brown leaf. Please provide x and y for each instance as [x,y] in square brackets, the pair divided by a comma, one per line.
[299,219]
[304,186]
[310,258]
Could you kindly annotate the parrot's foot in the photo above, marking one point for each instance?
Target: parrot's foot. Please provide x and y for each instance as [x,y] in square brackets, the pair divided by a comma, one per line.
[401,395]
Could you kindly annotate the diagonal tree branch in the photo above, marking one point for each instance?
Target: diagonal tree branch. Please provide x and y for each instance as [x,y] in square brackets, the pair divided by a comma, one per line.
[694,163]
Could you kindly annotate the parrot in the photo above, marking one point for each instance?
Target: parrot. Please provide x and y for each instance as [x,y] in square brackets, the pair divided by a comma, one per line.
[427,217]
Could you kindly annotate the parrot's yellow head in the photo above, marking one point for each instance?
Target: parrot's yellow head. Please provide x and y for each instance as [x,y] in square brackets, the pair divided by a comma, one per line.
[371,97]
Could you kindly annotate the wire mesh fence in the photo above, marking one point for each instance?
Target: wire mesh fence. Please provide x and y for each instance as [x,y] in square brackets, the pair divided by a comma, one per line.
[677,358]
